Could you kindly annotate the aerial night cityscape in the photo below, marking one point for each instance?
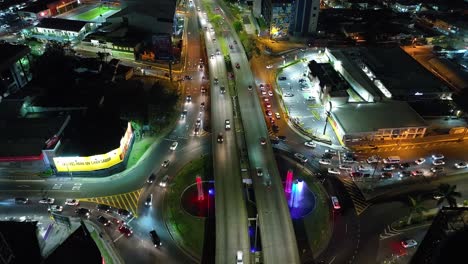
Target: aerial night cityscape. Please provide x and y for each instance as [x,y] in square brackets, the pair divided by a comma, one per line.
[233,131]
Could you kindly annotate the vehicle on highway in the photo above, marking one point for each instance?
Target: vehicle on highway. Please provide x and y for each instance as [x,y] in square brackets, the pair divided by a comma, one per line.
[235,42]
[386,175]
[218,52]
[269,66]
[203,89]
[262,86]
[259,172]
[310,144]
[55,208]
[174,145]
[103,207]
[47,201]
[198,122]
[227,124]
[239,257]
[331,152]
[149,200]
[212,56]
[262,141]
[420,161]
[188,99]
[263,92]
[282,78]
[404,166]
[301,157]
[216,80]
[389,167]
[437,156]
[202,106]
[151,178]
[220,138]
[101,219]
[125,230]
[196,131]
[324,161]
[277,115]
[275,128]
[72,202]
[356,174]
[163,182]
[392,160]
[403,174]
[409,243]
[165,163]
[124,213]
[268,113]
[336,203]
[345,167]
[222,89]
[83,212]
[417,173]
[249,87]
[183,115]
[461,165]
[288,94]
[267,105]
[230,46]
[155,238]
[437,169]
[21,200]
[438,162]
[333,171]
[237,66]
[372,159]
[270,93]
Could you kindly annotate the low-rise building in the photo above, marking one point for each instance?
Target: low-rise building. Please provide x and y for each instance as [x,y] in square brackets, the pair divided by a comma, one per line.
[389,120]
[15,68]
[59,29]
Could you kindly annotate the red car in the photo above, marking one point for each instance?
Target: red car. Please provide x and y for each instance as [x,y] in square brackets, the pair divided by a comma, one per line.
[126,230]
[356,174]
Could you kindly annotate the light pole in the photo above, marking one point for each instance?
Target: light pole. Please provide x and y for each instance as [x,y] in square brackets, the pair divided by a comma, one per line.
[328,111]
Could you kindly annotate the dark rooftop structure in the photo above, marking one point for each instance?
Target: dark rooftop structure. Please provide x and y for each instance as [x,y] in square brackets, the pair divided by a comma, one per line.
[11,53]
[403,76]
[35,8]
[96,133]
[327,76]
[67,251]
[62,24]
[24,137]
[21,242]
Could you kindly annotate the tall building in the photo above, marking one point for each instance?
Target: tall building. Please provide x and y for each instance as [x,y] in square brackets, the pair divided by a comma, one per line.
[306,17]
[278,14]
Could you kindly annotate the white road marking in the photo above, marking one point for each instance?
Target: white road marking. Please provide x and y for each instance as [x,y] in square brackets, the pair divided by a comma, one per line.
[121,235]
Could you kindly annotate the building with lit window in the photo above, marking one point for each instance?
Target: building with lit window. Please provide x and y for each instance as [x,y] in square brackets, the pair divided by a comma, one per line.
[15,71]
[59,29]
[46,8]
[279,15]
[306,17]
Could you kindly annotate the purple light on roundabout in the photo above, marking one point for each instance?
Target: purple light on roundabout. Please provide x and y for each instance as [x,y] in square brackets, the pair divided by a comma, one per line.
[211,191]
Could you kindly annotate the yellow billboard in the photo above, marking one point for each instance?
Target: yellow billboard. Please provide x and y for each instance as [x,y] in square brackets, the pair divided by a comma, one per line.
[96,162]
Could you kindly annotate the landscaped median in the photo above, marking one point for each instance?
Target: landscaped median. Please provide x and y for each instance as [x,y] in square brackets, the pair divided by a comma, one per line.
[186,229]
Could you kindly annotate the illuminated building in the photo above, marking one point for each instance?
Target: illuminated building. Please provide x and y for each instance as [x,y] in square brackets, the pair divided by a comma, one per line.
[306,17]
[278,14]
[61,29]
[46,8]
[14,68]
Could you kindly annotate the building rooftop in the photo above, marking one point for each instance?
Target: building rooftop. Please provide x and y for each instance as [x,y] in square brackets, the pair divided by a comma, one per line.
[400,73]
[23,137]
[367,117]
[11,53]
[62,24]
[35,8]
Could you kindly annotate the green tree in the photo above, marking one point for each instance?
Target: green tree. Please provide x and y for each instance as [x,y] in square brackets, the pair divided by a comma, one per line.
[416,207]
[448,194]
[237,26]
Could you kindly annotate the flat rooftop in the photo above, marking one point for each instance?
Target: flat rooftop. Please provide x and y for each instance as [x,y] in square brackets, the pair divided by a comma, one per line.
[62,24]
[27,136]
[369,117]
[401,74]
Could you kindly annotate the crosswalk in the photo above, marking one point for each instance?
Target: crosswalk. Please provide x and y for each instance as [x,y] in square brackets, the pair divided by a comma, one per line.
[127,201]
[389,232]
[360,204]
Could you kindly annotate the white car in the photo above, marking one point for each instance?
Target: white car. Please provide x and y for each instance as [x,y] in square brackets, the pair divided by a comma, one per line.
[269,66]
[301,157]
[333,171]
[55,208]
[437,156]
[409,243]
[325,161]
[165,163]
[336,204]
[174,145]
[73,202]
[47,201]
[270,93]
[372,159]
[420,161]
[364,168]
[438,162]
[310,144]
[461,165]
[264,92]
[277,115]
[227,124]
[239,257]
[345,167]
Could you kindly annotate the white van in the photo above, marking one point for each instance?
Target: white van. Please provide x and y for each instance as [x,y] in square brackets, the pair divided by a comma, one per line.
[392,160]
[239,257]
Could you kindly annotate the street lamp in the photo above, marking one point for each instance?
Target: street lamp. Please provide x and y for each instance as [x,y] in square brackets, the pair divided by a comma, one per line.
[328,111]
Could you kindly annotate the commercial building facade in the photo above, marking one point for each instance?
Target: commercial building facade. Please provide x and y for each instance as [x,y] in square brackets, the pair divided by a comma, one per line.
[306,17]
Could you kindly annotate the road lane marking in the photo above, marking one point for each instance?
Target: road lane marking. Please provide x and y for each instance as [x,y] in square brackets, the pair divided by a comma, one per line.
[121,235]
